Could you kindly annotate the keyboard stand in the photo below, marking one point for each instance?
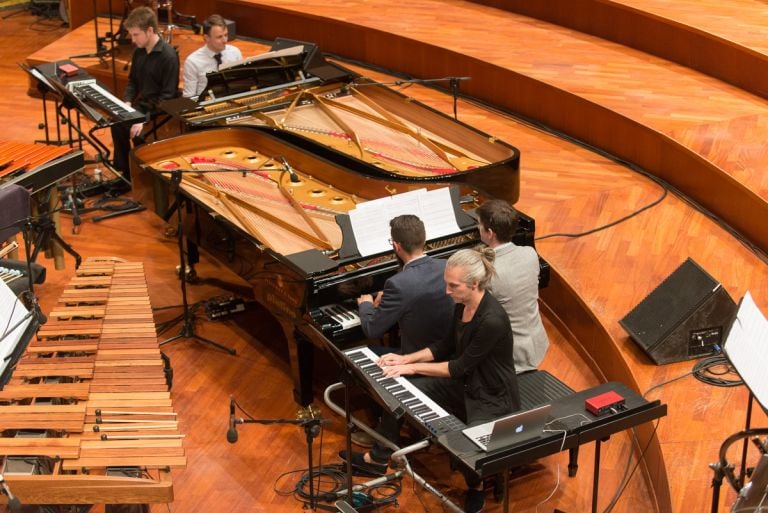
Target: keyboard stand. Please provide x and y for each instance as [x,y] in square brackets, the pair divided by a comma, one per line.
[398,456]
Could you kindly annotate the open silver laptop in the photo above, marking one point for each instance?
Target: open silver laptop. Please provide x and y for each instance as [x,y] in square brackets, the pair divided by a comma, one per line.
[511,430]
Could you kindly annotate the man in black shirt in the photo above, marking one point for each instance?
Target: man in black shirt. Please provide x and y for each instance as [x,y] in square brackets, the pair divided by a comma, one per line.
[154,76]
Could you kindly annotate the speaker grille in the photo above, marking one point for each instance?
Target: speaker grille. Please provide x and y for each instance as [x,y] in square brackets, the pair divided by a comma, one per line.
[684,317]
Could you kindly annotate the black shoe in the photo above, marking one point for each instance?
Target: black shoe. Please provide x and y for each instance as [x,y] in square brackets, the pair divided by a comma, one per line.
[361,467]
[474,501]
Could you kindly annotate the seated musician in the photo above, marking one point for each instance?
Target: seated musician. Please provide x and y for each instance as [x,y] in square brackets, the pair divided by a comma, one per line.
[154,76]
[516,283]
[471,372]
[209,57]
[413,299]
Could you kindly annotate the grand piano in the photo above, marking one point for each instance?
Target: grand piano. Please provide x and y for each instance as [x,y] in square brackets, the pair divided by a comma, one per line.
[335,113]
[278,215]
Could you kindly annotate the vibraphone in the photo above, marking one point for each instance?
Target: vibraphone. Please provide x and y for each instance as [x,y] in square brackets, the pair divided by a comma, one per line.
[37,167]
[87,416]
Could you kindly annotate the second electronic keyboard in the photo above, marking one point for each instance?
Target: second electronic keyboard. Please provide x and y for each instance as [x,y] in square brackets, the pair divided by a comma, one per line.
[402,394]
[115,111]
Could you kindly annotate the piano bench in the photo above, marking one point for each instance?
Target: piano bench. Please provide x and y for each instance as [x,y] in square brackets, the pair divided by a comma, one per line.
[539,387]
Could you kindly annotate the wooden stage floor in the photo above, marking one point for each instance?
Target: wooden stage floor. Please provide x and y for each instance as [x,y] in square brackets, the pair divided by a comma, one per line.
[567,188]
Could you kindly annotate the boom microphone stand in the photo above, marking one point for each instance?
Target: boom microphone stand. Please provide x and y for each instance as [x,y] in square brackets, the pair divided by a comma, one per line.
[188,327]
[311,427]
[453,81]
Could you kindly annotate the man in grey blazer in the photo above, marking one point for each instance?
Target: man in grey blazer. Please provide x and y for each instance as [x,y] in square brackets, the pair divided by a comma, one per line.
[414,298]
[516,284]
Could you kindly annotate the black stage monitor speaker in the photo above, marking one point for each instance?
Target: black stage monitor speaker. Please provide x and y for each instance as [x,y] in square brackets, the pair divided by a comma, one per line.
[685,317]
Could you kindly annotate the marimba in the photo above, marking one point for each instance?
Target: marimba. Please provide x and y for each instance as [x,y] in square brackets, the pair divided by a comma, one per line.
[87,417]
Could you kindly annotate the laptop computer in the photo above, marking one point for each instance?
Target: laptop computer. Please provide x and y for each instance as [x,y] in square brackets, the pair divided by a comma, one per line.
[508,431]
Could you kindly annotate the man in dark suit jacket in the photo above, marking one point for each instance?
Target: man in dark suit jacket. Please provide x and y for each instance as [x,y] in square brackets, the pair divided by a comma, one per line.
[414,298]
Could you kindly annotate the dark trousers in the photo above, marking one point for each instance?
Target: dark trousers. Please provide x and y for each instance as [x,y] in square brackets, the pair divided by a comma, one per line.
[121,142]
[448,393]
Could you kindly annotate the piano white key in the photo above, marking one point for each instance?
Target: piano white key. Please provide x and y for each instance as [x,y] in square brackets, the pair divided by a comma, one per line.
[347,318]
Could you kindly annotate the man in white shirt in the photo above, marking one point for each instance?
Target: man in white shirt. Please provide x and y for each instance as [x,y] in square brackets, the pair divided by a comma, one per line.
[208,58]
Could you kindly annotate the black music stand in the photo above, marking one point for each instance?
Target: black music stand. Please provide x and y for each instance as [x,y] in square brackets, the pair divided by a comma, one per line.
[745,350]
[45,88]
[15,217]
[188,328]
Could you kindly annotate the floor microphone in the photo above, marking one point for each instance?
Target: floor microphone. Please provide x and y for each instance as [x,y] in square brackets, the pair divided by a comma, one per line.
[76,221]
[232,431]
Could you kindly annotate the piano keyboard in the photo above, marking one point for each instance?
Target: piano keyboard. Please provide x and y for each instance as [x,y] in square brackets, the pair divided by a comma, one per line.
[415,403]
[338,324]
[347,318]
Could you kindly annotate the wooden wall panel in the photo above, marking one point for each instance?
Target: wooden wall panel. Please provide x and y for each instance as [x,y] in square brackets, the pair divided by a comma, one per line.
[678,42]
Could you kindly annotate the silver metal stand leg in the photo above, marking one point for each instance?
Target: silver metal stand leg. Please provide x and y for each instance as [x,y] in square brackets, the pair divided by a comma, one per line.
[399,455]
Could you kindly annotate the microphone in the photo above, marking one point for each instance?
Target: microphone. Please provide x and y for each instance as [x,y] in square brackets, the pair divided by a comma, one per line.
[232,431]
[294,177]
[14,504]
[76,221]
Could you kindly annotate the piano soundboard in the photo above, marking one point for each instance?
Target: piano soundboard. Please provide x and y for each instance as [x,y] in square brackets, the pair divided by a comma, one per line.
[401,395]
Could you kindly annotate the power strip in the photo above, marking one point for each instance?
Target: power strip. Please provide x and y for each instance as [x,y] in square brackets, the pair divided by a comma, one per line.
[222,307]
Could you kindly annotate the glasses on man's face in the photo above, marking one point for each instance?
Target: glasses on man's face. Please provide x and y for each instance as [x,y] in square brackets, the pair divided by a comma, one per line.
[390,241]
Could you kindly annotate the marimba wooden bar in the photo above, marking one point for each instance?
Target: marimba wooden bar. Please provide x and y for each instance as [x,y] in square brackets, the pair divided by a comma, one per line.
[90,397]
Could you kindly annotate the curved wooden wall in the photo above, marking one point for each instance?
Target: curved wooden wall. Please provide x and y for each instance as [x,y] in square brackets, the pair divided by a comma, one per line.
[684,44]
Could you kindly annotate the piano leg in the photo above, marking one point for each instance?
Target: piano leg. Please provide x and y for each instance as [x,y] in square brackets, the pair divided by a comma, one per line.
[301,354]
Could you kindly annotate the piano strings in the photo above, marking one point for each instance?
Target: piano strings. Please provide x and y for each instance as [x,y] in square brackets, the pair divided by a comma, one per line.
[355,123]
[346,118]
[304,207]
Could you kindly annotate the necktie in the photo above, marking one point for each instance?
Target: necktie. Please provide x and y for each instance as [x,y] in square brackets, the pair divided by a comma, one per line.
[217,57]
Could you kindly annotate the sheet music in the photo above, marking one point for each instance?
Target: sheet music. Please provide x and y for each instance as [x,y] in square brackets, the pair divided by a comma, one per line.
[12,311]
[747,348]
[370,220]
[39,76]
